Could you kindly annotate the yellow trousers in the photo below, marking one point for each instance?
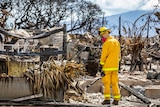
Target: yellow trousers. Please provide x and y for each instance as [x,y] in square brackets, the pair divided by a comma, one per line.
[110,80]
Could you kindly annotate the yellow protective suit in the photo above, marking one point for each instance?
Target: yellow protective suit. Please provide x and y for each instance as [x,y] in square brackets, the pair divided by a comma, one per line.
[109,60]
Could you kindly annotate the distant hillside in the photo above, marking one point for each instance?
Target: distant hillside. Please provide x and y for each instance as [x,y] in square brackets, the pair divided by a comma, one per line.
[128,17]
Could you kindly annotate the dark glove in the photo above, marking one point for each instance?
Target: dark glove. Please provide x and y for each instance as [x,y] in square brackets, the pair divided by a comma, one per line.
[102,74]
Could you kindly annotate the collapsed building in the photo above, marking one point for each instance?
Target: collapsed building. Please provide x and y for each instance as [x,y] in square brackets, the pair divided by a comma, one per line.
[21,52]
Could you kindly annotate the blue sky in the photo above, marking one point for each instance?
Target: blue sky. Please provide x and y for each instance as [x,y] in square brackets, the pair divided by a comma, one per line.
[111,7]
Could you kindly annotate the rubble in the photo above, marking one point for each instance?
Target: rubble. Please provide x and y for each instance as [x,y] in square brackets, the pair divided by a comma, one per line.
[139,67]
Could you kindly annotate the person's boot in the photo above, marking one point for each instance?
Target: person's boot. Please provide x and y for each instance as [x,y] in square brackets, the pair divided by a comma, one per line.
[106,102]
[115,102]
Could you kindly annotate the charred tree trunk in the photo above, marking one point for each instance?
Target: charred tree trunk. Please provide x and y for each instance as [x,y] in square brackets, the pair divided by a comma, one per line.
[136,56]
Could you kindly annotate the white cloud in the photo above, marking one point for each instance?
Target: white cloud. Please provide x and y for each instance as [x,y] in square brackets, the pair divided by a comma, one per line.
[111,7]
[150,5]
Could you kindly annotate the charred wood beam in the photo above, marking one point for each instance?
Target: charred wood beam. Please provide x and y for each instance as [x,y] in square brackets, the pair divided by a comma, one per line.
[152,55]
[78,53]
[155,56]
[6,33]
[27,97]
[46,34]
[43,35]
[137,94]
[85,89]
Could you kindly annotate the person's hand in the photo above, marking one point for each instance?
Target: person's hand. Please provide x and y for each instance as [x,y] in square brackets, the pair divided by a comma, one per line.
[102,74]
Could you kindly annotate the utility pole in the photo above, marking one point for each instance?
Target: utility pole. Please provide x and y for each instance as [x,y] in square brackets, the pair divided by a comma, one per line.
[71,19]
[103,20]
[120,29]
[148,28]
[120,38]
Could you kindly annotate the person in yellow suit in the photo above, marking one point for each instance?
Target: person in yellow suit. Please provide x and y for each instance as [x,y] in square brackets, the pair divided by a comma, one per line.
[109,61]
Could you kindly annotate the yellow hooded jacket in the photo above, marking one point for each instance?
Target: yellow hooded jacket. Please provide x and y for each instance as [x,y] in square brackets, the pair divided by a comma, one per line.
[110,54]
